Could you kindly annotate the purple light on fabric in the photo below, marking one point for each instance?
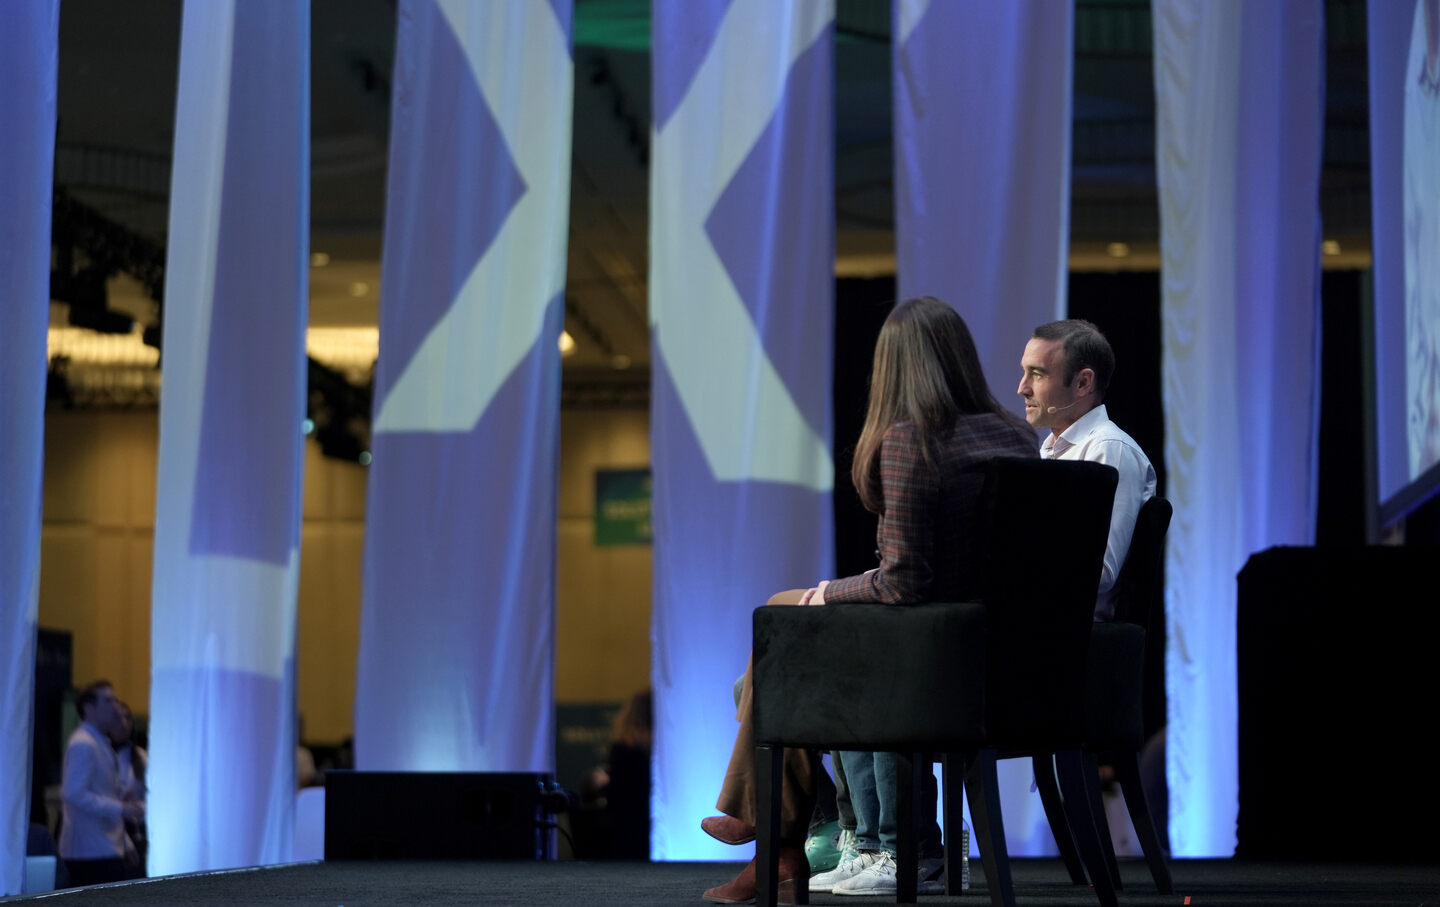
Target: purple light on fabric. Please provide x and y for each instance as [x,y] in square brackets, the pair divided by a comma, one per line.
[223,829]
[444,145]
[722,549]
[676,54]
[1388,33]
[982,95]
[1277,267]
[29,51]
[250,429]
[461,529]
[564,14]
[774,255]
[725,519]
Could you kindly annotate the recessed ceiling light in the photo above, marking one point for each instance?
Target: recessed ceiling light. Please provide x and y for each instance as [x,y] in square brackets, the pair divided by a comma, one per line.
[1118,249]
[359,288]
[1330,247]
[567,343]
[319,259]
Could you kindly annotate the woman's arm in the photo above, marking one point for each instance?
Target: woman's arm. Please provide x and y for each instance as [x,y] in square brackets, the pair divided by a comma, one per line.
[906,537]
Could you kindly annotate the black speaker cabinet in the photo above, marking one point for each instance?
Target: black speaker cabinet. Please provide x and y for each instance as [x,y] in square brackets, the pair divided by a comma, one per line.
[1336,652]
[437,816]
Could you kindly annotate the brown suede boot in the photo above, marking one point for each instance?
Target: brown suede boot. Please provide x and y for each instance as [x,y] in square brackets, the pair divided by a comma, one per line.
[794,870]
[728,829]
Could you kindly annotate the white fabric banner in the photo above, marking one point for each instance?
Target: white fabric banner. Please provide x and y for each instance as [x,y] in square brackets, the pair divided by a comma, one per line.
[227,522]
[1239,103]
[742,251]
[457,636]
[982,207]
[28,47]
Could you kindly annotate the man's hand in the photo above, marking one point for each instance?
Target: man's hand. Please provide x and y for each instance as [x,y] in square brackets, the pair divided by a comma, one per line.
[816,595]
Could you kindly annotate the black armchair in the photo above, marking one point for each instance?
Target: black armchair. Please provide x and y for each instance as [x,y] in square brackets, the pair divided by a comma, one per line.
[1114,701]
[975,681]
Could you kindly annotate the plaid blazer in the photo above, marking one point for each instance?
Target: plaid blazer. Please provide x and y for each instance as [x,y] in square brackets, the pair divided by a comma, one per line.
[927,532]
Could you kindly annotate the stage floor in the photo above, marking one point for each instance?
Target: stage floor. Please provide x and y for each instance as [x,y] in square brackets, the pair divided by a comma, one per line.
[1037,882]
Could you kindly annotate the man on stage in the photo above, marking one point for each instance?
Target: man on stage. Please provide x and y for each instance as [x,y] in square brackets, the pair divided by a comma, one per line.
[1066,370]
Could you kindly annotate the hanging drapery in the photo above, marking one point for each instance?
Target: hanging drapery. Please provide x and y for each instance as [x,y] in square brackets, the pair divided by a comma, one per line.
[982,166]
[982,205]
[741,300]
[457,634]
[29,32]
[1240,111]
[227,523]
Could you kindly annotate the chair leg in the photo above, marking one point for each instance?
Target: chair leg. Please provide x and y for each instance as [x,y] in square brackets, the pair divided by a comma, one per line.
[954,822]
[769,775]
[1102,821]
[907,861]
[1127,770]
[1071,765]
[1049,789]
[983,790]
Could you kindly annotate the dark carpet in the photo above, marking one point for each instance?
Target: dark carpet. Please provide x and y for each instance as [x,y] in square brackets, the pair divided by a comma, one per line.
[1037,882]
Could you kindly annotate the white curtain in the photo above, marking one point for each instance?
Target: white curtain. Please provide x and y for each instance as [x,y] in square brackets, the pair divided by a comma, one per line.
[28,47]
[227,522]
[457,635]
[982,206]
[741,314]
[1239,104]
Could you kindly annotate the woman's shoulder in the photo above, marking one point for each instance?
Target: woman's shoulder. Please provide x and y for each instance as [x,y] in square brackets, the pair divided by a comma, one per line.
[994,435]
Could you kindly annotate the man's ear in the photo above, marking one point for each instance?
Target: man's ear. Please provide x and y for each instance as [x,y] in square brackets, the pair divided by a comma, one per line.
[1084,382]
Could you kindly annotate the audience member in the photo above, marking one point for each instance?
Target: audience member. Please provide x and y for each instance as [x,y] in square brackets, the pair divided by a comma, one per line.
[627,795]
[93,842]
[132,761]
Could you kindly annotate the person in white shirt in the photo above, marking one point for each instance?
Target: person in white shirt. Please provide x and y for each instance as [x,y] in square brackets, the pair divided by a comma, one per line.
[1065,372]
[93,842]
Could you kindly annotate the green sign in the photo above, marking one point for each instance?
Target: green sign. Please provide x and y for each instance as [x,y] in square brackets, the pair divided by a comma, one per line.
[622,507]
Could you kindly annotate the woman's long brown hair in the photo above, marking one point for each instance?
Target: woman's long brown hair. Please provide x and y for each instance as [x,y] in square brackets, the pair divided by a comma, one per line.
[926,372]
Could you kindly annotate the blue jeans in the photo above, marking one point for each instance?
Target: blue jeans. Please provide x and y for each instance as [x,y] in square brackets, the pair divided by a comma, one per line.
[871,778]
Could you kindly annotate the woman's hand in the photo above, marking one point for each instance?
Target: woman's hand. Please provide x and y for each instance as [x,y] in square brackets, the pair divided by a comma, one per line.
[815,596]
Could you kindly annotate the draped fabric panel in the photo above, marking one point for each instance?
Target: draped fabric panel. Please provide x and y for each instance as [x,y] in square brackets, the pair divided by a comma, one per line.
[456,660]
[982,166]
[982,205]
[29,32]
[227,523]
[1240,103]
[741,316]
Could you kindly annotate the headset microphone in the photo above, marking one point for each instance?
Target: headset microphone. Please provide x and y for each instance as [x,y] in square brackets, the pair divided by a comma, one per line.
[1052,410]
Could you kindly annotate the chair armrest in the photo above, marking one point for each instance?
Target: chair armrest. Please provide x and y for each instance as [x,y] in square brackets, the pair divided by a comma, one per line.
[870,676]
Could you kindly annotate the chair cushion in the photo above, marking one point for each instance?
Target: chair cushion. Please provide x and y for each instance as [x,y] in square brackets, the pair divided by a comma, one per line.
[1114,718]
[870,676]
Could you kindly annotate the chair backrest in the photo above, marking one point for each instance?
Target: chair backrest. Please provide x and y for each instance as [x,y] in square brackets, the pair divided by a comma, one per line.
[1141,584]
[1048,524]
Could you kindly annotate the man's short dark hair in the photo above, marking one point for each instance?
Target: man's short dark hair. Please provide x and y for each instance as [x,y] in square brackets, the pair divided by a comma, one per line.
[88,696]
[1084,347]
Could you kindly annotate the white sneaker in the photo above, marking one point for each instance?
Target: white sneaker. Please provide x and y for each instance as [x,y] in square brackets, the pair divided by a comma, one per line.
[851,864]
[877,879]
